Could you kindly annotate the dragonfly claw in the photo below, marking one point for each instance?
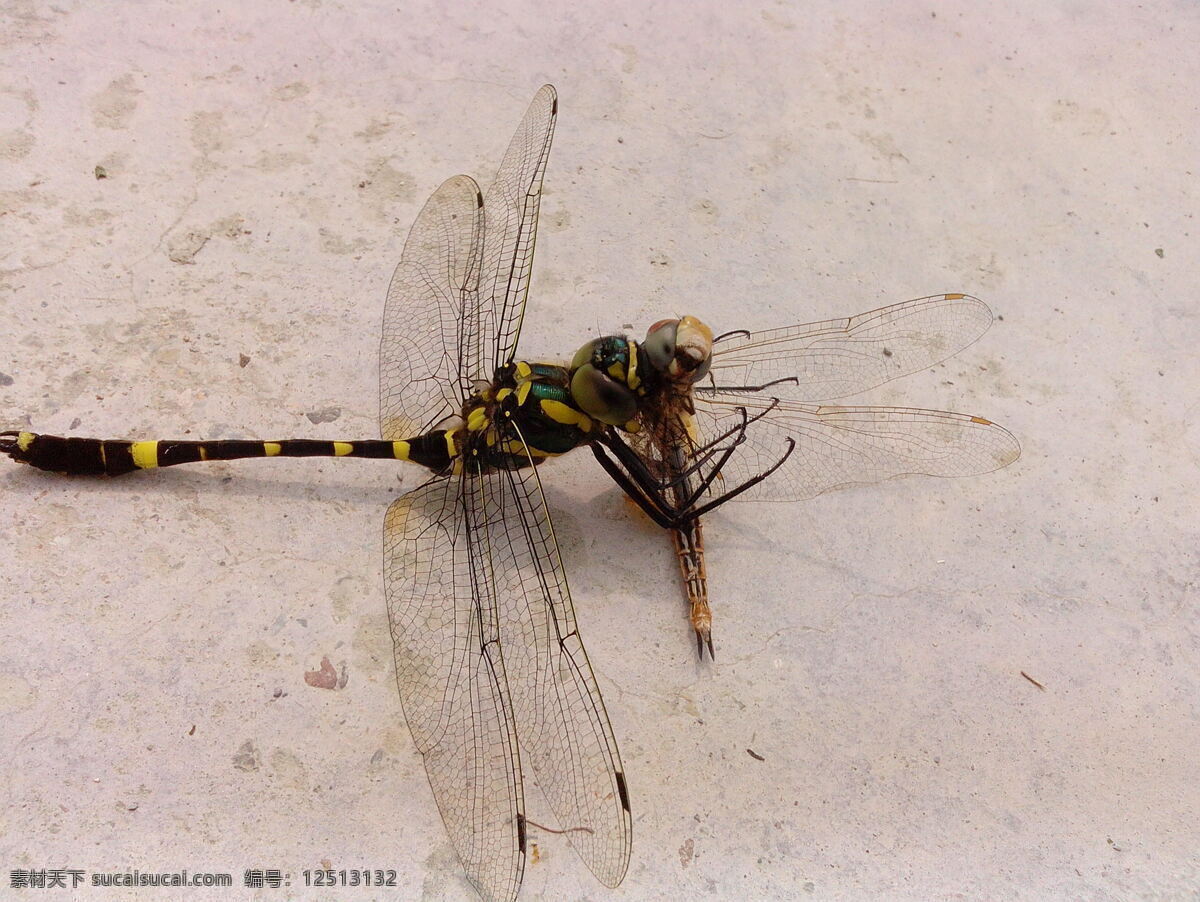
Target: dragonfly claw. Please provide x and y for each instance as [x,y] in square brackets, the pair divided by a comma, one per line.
[703,641]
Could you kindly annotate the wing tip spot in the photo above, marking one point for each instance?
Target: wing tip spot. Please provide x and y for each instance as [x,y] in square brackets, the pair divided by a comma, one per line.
[622,789]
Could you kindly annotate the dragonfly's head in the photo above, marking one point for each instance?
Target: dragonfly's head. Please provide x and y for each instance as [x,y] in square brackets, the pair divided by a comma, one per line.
[681,349]
[604,379]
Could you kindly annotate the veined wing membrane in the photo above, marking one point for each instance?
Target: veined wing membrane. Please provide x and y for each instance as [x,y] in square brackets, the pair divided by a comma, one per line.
[431,346]
[844,446]
[451,679]
[841,357]
[564,732]
[512,203]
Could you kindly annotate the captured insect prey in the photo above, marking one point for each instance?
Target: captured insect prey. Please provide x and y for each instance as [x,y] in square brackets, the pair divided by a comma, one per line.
[495,682]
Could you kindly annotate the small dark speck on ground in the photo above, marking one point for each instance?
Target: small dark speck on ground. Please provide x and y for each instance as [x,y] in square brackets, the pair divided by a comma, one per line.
[6,379]
[324,415]
[1159,251]
[755,755]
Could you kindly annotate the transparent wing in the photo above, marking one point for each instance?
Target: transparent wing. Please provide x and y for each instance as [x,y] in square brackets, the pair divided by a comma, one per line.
[511,204]
[843,446]
[445,629]
[455,303]
[841,357]
[432,348]
[564,732]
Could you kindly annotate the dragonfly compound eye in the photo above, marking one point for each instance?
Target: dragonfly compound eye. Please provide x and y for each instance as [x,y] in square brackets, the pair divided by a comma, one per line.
[602,397]
[600,380]
[681,348]
[659,345]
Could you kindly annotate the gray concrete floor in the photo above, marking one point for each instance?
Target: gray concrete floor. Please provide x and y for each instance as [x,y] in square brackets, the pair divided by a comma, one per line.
[755,166]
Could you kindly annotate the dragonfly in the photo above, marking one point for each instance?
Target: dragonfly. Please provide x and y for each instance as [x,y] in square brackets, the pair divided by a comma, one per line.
[493,676]
[761,407]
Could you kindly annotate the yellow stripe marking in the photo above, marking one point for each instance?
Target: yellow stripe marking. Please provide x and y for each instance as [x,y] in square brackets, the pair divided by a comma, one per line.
[103,456]
[519,448]
[632,379]
[451,447]
[25,439]
[272,449]
[341,449]
[523,369]
[477,419]
[503,393]
[562,413]
[145,455]
[523,392]
[400,450]
[203,453]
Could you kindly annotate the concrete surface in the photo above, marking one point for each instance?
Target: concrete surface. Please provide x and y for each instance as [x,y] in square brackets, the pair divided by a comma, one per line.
[756,166]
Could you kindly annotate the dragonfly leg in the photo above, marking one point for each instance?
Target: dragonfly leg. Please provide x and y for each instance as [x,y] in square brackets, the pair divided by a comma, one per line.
[673,503]
[749,483]
[684,503]
[650,487]
[652,497]
[631,488]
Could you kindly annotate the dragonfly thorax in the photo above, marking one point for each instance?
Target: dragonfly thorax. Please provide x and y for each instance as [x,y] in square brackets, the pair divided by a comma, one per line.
[524,416]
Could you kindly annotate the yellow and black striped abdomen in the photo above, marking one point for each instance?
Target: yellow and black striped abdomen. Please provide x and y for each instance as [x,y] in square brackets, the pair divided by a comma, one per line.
[111,457]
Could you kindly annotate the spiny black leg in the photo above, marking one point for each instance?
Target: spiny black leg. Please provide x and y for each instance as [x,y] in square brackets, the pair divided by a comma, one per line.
[648,482]
[656,507]
[648,488]
[707,481]
[749,483]
[741,431]
[713,389]
[655,485]
[631,488]
[632,462]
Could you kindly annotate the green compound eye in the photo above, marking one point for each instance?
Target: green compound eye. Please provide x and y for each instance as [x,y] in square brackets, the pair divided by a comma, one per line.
[584,354]
[602,397]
